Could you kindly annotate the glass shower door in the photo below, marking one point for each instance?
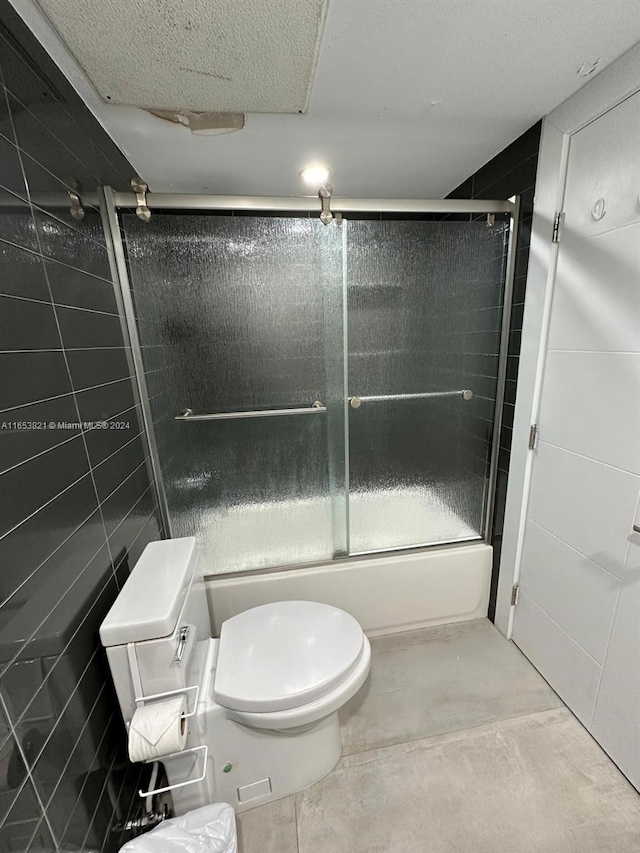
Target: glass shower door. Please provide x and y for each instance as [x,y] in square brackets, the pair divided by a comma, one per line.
[424,317]
[239,316]
[382,436]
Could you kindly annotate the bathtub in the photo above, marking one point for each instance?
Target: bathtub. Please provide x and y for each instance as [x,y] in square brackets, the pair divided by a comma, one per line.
[390,593]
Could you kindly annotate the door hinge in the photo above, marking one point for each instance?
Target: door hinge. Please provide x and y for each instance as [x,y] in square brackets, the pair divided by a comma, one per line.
[558,221]
[533,436]
[515,595]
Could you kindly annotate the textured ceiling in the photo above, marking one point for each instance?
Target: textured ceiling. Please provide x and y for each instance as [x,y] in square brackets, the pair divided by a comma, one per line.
[410,97]
[226,56]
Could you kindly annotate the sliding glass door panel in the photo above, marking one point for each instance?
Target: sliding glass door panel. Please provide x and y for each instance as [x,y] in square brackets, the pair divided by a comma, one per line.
[240,314]
[424,316]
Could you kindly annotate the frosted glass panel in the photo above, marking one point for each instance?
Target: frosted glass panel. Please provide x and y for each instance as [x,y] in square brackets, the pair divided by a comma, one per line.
[424,309]
[239,313]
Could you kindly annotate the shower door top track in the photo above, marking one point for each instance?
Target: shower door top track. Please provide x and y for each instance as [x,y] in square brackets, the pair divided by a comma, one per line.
[181,201]
[304,204]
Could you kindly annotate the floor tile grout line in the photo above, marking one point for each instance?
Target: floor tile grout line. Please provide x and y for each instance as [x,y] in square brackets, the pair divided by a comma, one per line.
[295,816]
[453,732]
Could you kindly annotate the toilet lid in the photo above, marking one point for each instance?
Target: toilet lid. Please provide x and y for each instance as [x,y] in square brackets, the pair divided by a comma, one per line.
[283,655]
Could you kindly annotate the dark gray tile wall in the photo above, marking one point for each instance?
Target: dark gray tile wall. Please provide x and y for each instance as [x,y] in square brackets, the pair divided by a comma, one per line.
[511,172]
[77,506]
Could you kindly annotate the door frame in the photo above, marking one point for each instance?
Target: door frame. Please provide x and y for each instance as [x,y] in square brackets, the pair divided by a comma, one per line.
[616,83]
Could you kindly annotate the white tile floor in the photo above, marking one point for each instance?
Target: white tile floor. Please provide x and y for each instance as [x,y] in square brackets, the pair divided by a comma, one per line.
[455,745]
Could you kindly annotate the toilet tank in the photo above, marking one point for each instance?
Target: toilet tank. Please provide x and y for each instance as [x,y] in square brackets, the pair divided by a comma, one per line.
[158,628]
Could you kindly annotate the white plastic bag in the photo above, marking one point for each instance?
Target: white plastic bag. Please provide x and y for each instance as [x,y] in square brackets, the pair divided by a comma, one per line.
[211,829]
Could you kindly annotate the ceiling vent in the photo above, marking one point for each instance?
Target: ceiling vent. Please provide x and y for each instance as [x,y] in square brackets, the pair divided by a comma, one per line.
[204,124]
[225,56]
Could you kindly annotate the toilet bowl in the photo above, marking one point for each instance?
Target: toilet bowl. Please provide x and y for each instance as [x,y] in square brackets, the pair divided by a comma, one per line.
[289,664]
[262,698]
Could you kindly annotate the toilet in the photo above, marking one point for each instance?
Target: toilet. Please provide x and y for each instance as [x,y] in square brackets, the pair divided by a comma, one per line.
[262,699]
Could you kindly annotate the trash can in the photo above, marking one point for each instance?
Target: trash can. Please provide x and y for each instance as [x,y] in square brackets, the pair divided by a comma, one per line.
[211,829]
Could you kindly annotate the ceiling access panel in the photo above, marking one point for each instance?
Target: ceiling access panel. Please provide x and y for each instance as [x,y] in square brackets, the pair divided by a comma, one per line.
[233,56]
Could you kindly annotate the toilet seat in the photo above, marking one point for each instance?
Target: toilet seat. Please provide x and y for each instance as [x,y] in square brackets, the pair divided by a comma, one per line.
[280,657]
[312,712]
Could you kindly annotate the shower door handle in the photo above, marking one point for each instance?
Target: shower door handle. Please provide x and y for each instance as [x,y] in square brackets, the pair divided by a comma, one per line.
[188,414]
[356,402]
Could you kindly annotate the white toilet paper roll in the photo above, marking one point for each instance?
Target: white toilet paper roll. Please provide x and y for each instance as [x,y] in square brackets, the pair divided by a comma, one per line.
[157,729]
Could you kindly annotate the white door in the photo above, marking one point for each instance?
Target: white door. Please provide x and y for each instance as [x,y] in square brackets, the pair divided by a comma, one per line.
[578,613]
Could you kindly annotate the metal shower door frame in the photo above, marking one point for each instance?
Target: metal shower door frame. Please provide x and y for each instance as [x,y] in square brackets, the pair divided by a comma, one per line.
[126,310]
[111,202]
[507,304]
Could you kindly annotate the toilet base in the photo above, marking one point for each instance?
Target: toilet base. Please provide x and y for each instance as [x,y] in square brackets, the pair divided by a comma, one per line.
[248,767]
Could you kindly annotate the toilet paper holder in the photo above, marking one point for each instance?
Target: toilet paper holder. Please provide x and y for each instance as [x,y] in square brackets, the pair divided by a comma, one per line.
[204,748]
[141,700]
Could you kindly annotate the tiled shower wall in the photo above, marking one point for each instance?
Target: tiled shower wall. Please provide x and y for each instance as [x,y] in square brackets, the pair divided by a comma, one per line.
[511,172]
[77,505]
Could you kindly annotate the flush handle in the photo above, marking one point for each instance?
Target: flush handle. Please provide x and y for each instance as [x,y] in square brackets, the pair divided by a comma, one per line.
[183,636]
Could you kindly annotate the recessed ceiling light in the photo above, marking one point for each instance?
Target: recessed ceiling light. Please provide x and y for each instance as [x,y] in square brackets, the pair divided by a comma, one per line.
[315,175]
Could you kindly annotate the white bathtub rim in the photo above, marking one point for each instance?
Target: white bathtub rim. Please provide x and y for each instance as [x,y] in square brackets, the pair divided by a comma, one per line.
[394,593]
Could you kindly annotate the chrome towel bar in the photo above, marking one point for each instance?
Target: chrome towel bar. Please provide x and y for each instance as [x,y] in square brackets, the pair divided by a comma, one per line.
[356,402]
[188,414]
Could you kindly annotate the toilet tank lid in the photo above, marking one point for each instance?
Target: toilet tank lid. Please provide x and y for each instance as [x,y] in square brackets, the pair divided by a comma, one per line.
[150,602]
